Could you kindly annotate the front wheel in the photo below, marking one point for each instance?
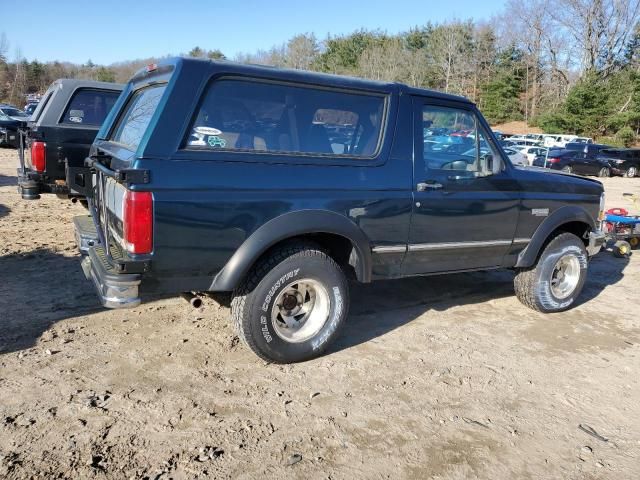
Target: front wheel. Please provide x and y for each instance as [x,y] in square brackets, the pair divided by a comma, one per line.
[555,282]
[292,304]
[604,172]
[631,172]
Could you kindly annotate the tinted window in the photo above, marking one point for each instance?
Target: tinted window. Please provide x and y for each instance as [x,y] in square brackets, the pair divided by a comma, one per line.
[268,117]
[89,107]
[137,114]
[457,143]
[41,106]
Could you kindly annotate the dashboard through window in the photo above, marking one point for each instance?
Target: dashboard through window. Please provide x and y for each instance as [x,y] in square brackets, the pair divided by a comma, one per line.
[272,117]
[452,140]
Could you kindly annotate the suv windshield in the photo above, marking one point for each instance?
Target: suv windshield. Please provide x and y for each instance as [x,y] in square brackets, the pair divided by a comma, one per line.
[137,114]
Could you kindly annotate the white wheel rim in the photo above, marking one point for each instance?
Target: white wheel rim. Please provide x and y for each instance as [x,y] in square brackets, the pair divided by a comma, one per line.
[631,172]
[300,310]
[565,276]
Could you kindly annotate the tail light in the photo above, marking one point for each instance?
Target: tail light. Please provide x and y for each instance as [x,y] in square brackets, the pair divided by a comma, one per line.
[553,160]
[38,156]
[138,222]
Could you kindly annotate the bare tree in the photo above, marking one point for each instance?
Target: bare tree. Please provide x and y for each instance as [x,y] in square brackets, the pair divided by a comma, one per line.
[4,47]
[383,62]
[599,28]
[301,51]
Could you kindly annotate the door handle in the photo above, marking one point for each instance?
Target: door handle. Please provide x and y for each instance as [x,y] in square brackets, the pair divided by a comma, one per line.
[424,186]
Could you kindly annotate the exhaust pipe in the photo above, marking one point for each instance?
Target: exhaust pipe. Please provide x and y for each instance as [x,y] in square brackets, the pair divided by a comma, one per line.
[194,301]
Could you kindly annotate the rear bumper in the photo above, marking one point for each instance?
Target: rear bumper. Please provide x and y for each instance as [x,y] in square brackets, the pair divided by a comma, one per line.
[115,290]
[31,184]
[596,240]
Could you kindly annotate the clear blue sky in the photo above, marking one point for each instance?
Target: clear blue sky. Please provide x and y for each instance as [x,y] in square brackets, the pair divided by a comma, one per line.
[110,31]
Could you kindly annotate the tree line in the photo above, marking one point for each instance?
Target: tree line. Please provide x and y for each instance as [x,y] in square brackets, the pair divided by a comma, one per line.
[567,66]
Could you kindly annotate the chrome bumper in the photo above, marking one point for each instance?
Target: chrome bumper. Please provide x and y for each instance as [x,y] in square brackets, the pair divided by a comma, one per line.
[115,290]
[596,240]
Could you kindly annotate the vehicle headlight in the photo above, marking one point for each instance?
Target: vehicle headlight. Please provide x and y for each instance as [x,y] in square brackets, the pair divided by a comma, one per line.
[618,161]
[601,215]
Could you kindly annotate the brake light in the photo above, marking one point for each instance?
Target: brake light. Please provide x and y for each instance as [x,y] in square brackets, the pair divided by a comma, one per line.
[38,156]
[138,222]
[553,160]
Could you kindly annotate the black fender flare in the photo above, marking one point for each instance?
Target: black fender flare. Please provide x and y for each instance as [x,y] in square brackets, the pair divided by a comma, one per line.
[290,225]
[563,215]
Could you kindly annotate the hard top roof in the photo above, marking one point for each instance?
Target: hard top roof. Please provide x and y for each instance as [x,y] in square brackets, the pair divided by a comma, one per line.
[306,76]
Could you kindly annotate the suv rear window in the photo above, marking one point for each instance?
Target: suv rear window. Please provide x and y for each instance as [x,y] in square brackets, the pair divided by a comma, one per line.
[137,114]
[89,107]
[274,117]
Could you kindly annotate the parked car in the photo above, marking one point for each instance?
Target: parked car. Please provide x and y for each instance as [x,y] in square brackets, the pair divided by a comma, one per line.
[11,120]
[30,108]
[59,134]
[560,141]
[194,190]
[516,157]
[574,161]
[532,152]
[519,144]
[590,149]
[623,161]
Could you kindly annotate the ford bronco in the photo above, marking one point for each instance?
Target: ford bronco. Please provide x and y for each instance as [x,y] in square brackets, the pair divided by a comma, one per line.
[280,185]
[59,134]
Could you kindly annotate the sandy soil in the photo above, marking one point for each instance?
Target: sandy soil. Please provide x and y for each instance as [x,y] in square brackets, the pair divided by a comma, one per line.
[516,128]
[442,377]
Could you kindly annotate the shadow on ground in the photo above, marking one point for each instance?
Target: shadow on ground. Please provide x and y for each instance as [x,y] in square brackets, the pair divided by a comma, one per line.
[381,307]
[4,210]
[6,180]
[38,289]
[42,287]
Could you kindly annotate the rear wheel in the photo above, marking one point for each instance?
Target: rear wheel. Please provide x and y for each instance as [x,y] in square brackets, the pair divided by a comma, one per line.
[555,282]
[631,172]
[292,304]
[604,172]
[567,169]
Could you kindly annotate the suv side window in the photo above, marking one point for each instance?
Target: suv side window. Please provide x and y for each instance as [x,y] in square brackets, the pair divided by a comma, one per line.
[274,117]
[135,119]
[89,107]
[453,141]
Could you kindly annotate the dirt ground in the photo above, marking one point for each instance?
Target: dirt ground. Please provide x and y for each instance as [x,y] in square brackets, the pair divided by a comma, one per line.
[442,377]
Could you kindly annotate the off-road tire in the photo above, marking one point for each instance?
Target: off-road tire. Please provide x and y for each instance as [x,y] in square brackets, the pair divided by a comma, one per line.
[253,300]
[533,286]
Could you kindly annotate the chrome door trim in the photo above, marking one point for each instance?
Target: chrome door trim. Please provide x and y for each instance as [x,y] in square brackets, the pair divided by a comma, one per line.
[418,247]
[389,249]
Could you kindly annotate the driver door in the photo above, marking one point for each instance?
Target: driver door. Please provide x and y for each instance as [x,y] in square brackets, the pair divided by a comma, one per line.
[466,202]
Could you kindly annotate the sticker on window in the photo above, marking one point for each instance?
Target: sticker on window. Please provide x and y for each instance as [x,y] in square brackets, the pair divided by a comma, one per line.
[76,116]
[216,141]
[203,136]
